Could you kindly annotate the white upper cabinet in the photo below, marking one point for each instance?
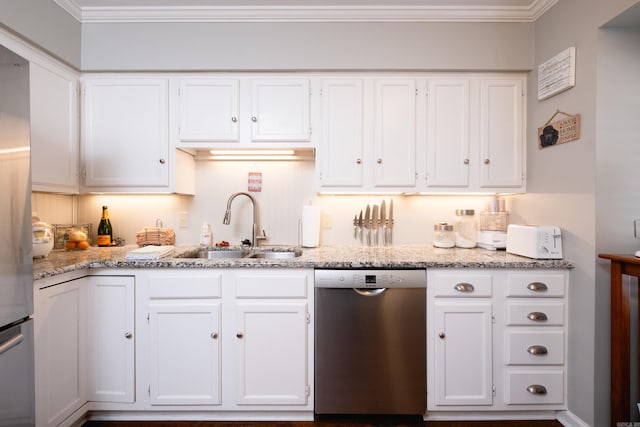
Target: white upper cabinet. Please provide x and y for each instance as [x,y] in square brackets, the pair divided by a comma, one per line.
[501,133]
[448,133]
[54,129]
[125,141]
[209,110]
[395,133]
[368,140]
[475,134]
[342,144]
[280,110]
[229,112]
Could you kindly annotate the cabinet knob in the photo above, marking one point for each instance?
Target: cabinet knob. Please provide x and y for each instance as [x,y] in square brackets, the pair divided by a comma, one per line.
[464,287]
[234,119]
[537,316]
[128,335]
[537,389]
[441,335]
[379,161]
[163,161]
[486,161]
[254,119]
[465,161]
[537,287]
[240,335]
[214,335]
[537,350]
[358,160]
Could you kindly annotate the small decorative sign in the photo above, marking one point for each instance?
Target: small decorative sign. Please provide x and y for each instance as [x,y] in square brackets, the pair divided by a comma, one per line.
[557,74]
[560,131]
[255,182]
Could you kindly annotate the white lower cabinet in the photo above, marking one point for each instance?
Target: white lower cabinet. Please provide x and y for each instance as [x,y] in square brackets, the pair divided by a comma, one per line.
[59,348]
[111,339]
[228,339]
[496,340]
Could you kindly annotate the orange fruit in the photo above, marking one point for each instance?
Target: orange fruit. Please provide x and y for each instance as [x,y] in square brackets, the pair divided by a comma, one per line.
[82,245]
[70,245]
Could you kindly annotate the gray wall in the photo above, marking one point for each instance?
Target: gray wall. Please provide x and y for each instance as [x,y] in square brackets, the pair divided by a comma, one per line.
[308,46]
[570,185]
[46,25]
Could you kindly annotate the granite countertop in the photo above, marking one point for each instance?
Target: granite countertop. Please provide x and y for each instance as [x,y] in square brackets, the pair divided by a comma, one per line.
[335,257]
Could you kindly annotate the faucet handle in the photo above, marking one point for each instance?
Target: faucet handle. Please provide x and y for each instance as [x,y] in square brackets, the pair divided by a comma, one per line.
[263,236]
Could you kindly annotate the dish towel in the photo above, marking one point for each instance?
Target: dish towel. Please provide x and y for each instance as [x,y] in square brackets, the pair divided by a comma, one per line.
[149,253]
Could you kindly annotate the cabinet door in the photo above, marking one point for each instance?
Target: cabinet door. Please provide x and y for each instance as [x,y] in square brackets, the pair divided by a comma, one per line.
[395,133]
[501,133]
[340,156]
[448,133]
[54,130]
[185,352]
[111,343]
[59,351]
[463,353]
[280,110]
[272,353]
[125,133]
[209,110]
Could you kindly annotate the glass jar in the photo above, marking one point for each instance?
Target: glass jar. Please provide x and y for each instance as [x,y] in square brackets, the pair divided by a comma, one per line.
[466,230]
[443,235]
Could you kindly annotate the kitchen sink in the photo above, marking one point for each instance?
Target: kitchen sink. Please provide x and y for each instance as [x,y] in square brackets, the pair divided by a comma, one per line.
[261,253]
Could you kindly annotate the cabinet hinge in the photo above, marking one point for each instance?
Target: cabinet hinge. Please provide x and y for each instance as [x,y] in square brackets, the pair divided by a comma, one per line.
[308,318]
[427,93]
[148,317]
[522,91]
[416,91]
[83,91]
[149,390]
[493,319]
[84,174]
[493,390]
[307,390]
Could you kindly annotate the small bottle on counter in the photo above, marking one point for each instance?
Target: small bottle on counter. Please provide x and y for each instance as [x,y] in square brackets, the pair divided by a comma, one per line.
[443,235]
[105,231]
[466,229]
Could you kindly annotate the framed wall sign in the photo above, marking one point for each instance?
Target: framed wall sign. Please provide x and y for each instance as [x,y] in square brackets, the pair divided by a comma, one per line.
[557,74]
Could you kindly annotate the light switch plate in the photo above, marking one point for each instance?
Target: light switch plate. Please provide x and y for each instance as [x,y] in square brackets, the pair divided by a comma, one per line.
[183,219]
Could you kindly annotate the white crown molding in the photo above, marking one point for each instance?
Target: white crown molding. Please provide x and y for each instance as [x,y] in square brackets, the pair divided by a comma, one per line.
[112,14]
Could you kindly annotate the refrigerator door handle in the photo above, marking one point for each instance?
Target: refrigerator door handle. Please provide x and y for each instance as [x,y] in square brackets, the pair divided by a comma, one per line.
[11,342]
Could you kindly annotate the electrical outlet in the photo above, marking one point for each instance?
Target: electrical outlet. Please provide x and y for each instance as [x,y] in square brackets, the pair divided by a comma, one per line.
[183,219]
[327,220]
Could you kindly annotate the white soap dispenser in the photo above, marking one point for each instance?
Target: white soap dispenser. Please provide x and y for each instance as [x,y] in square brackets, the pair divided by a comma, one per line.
[206,236]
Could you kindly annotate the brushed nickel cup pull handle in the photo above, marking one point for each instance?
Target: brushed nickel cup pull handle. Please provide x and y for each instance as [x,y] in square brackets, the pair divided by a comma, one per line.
[128,335]
[537,287]
[163,161]
[358,160]
[537,316]
[214,335]
[537,350]
[240,335]
[234,119]
[464,287]
[379,161]
[466,161]
[486,161]
[537,389]
[254,119]
[441,335]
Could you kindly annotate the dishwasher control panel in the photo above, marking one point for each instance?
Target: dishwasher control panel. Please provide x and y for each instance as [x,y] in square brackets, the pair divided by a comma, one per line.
[370,278]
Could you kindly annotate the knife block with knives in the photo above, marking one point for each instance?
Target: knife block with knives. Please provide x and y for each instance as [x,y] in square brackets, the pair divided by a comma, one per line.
[376,227]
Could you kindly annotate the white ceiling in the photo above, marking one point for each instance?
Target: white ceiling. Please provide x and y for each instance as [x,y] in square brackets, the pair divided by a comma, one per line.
[94,11]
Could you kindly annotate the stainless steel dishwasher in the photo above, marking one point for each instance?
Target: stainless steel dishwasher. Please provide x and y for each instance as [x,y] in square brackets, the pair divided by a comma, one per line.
[370,342]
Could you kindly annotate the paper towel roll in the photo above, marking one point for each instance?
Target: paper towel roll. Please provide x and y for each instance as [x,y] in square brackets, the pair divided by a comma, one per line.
[311,226]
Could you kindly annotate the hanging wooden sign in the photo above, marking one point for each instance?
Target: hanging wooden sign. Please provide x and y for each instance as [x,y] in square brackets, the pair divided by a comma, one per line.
[560,131]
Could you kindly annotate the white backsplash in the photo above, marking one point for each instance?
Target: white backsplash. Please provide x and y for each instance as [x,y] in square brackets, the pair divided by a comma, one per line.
[286,188]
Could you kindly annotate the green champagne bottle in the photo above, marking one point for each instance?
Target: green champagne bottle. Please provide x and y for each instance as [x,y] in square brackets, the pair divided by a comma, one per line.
[105,232]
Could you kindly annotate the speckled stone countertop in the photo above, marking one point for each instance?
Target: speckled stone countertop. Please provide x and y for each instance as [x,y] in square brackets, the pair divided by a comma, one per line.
[401,256]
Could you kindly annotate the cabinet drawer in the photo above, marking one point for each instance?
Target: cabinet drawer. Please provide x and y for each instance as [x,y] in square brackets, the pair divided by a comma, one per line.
[462,285]
[535,314]
[261,285]
[534,348]
[534,387]
[536,284]
[180,285]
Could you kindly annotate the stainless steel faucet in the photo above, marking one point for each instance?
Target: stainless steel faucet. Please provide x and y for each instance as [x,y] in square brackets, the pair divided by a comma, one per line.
[255,229]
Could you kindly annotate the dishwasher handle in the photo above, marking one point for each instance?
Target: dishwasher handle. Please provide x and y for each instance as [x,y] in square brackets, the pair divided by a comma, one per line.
[369,292]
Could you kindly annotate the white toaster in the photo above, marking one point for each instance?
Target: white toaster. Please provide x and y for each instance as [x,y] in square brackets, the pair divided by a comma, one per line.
[535,241]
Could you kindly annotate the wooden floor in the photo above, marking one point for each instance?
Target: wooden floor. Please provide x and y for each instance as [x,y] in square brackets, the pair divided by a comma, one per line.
[330,422]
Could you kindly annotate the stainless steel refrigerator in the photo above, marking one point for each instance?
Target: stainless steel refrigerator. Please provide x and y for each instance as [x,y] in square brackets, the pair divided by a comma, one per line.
[17,405]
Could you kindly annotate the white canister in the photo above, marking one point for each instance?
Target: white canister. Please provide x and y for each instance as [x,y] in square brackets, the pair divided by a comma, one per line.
[466,228]
[443,235]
